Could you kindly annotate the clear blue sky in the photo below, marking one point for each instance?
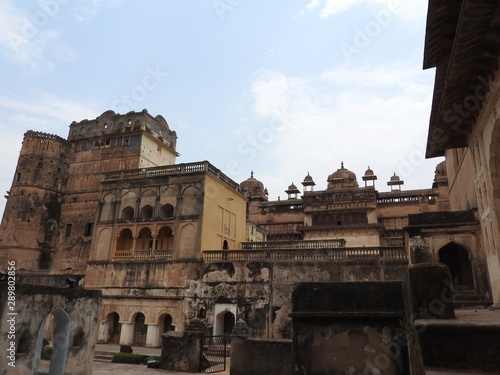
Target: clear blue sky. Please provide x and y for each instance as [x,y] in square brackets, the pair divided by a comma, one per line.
[281,87]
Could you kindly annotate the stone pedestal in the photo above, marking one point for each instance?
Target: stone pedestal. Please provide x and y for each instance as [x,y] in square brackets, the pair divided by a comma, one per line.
[181,351]
[428,292]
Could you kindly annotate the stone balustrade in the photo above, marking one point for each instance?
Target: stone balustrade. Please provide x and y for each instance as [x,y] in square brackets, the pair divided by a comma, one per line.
[311,244]
[290,255]
[162,254]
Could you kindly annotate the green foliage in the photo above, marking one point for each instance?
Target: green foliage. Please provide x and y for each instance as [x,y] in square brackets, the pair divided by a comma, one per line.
[131,358]
[46,352]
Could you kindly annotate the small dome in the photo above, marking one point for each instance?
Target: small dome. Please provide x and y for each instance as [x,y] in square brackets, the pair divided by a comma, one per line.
[342,178]
[308,180]
[254,188]
[440,176]
[395,178]
[292,187]
[441,169]
[395,181]
[369,172]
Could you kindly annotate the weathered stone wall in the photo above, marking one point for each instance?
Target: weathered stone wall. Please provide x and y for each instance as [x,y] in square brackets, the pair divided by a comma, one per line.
[76,320]
[349,328]
[251,356]
[262,290]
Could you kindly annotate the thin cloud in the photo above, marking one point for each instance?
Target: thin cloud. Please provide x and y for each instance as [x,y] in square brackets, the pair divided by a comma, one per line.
[29,38]
[47,108]
[404,9]
[355,118]
[87,9]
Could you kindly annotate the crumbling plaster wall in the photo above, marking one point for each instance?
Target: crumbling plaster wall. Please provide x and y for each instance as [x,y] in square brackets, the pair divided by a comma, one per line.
[262,290]
[33,305]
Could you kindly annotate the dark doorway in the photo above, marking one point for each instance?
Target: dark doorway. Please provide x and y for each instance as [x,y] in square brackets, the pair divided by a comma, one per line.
[167,323]
[114,327]
[141,330]
[229,322]
[456,258]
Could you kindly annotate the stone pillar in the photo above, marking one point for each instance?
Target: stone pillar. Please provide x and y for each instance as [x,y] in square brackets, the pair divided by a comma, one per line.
[153,336]
[181,351]
[127,334]
[428,292]
[103,335]
[239,337]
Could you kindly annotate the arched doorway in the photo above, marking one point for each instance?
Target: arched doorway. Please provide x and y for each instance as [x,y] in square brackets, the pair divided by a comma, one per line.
[140,330]
[59,342]
[456,258]
[229,321]
[114,328]
[164,325]
[225,317]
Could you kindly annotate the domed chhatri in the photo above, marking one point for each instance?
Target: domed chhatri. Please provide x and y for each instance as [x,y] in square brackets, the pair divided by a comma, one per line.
[395,183]
[440,175]
[308,183]
[292,191]
[254,188]
[369,178]
[342,178]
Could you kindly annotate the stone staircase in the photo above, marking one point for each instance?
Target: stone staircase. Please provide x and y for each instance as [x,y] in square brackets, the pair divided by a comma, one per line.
[445,339]
[101,356]
[469,344]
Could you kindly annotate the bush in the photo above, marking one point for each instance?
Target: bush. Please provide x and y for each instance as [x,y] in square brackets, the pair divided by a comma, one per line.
[135,359]
[46,352]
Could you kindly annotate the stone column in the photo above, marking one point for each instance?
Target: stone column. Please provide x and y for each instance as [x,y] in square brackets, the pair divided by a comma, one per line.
[103,335]
[153,336]
[127,334]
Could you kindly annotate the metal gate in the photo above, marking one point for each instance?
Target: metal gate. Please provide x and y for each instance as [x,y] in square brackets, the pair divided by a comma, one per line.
[213,354]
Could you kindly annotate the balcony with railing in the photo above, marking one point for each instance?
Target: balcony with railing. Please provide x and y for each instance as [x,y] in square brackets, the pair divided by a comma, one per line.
[169,170]
[315,254]
[306,244]
[143,255]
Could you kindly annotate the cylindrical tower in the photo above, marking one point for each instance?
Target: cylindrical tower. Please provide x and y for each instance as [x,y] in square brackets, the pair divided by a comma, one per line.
[29,228]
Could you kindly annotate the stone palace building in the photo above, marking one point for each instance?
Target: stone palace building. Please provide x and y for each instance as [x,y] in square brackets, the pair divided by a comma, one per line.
[109,208]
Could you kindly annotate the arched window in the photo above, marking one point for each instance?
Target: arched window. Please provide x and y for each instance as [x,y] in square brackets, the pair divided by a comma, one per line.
[147,212]
[166,211]
[145,240]
[125,240]
[165,240]
[128,213]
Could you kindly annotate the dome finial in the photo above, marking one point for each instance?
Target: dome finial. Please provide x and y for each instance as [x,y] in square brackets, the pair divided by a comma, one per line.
[341,165]
[251,174]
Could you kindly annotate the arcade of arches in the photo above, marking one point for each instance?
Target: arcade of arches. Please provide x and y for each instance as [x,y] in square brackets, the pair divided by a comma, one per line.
[138,331]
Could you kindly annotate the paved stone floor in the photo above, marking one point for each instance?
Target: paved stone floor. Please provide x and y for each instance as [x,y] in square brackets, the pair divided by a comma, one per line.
[105,368]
